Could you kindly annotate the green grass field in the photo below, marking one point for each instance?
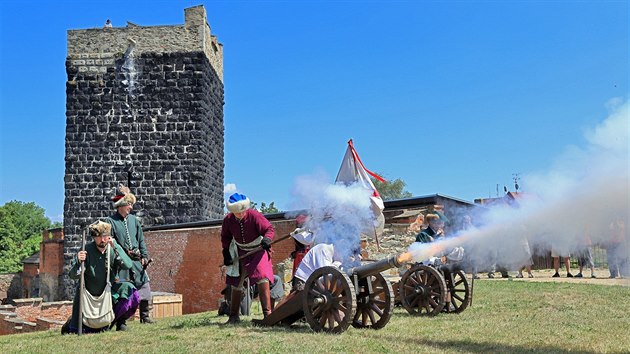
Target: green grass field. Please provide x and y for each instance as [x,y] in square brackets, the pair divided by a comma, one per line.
[506,317]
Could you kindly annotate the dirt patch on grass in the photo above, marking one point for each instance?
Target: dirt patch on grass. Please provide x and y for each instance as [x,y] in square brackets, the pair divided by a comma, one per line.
[546,275]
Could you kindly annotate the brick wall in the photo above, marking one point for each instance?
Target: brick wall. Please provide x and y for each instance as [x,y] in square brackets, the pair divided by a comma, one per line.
[51,252]
[187,261]
[29,315]
[30,271]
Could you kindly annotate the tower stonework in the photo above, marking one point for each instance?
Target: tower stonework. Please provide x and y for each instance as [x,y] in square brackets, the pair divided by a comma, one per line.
[144,107]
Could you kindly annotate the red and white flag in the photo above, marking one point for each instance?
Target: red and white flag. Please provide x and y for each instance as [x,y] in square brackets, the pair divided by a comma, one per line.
[351,171]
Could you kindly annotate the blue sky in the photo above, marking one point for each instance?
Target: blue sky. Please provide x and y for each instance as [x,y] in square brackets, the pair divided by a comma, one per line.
[452,97]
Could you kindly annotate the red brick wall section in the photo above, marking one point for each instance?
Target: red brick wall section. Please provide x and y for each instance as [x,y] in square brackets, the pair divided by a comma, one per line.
[28,273]
[51,257]
[56,311]
[29,315]
[187,262]
[28,309]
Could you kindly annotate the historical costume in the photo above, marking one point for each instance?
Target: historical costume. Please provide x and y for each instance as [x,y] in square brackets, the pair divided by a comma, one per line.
[127,231]
[245,230]
[124,295]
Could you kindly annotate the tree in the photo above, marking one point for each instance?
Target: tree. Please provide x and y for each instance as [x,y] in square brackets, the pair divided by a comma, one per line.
[264,208]
[392,189]
[21,226]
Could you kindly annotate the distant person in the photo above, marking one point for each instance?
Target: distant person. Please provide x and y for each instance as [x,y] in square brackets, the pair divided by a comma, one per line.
[303,239]
[363,250]
[472,257]
[617,250]
[585,256]
[566,257]
[433,232]
[108,24]
[418,225]
[527,256]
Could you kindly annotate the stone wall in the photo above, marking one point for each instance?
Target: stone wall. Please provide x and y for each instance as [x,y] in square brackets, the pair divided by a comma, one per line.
[10,286]
[144,108]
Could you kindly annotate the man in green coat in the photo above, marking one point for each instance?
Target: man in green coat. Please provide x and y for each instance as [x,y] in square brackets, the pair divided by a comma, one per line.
[124,294]
[126,229]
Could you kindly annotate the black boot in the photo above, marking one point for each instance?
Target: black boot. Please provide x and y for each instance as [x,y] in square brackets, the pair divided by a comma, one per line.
[121,325]
[65,329]
[145,312]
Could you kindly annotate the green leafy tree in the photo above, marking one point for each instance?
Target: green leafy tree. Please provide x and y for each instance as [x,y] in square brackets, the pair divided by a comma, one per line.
[268,209]
[21,226]
[393,189]
[264,208]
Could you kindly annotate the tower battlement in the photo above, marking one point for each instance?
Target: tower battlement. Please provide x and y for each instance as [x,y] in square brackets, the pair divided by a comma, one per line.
[94,49]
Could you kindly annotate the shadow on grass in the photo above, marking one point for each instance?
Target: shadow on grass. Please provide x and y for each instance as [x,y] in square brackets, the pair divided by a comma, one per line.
[195,322]
[483,347]
[220,322]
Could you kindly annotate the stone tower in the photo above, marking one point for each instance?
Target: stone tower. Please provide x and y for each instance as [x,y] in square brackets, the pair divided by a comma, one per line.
[144,107]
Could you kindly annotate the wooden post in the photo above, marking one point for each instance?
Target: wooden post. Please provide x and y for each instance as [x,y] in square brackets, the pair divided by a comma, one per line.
[82,285]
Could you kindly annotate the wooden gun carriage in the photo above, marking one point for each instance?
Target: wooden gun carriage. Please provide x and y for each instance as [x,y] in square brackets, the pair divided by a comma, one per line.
[333,300]
[426,290]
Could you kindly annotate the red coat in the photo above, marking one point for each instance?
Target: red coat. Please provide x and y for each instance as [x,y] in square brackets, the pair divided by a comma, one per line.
[258,266]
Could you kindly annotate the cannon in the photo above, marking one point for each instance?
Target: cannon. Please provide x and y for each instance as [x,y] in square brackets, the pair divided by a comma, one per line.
[426,290]
[333,300]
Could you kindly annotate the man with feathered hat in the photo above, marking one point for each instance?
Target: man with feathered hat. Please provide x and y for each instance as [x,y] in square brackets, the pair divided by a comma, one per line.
[126,229]
[244,230]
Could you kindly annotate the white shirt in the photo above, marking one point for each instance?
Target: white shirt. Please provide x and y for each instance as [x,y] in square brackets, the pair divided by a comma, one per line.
[321,255]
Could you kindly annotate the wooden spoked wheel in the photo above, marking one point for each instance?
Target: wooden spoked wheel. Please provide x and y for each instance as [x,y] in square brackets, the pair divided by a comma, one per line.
[329,300]
[375,302]
[422,291]
[458,296]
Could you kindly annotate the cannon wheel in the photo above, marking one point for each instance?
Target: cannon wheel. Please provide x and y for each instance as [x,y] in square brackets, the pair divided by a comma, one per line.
[375,307]
[329,300]
[459,292]
[422,291]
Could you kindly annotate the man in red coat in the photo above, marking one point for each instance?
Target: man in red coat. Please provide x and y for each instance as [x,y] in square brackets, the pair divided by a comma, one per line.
[245,230]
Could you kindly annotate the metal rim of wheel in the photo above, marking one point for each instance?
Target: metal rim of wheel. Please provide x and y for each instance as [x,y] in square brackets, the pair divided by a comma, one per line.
[329,300]
[422,291]
[375,307]
[459,292]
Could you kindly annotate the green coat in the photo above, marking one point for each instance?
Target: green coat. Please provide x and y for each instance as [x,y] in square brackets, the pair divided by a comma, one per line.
[426,236]
[135,240]
[96,273]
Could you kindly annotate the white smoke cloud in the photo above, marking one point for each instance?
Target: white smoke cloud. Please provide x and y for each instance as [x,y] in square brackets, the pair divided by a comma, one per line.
[338,213]
[577,202]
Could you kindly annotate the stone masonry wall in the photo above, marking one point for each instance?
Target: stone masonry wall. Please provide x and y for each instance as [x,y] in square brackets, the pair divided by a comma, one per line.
[144,107]
[10,286]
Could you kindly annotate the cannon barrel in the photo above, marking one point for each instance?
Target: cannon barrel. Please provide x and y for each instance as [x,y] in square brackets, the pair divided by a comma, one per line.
[366,270]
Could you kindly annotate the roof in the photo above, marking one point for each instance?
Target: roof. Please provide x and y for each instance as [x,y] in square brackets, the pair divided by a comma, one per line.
[33,259]
[414,202]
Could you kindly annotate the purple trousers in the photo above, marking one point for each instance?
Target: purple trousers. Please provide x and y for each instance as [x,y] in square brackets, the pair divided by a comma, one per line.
[125,308]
